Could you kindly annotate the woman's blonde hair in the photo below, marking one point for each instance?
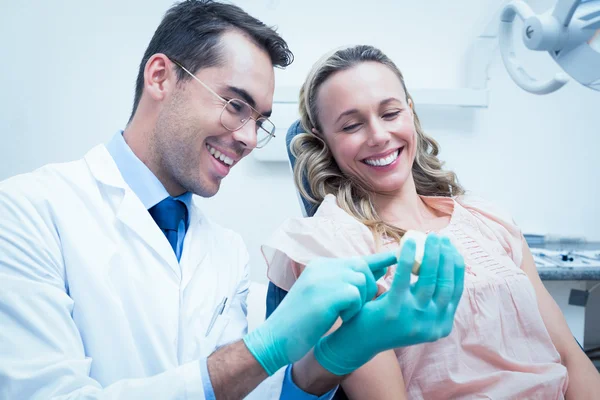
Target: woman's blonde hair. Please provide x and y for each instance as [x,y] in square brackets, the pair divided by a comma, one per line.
[316,165]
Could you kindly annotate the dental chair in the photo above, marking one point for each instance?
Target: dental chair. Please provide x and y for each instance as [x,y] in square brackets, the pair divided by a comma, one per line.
[276,294]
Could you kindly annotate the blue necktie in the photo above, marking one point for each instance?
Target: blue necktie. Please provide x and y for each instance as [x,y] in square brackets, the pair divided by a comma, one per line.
[168,214]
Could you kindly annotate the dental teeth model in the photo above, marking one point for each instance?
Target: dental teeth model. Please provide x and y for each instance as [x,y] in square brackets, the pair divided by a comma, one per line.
[419,238]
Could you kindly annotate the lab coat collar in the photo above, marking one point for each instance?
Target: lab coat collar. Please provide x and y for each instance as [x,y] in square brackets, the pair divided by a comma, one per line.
[103,167]
[129,208]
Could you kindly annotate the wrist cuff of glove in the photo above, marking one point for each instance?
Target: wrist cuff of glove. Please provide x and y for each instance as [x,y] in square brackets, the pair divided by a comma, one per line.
[269,359]
[332,362]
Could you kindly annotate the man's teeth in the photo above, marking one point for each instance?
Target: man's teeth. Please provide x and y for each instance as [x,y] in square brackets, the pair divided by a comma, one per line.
[217,154]
[381,162]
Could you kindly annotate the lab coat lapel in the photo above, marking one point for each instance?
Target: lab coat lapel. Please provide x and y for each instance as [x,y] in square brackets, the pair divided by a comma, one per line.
[195,245]
[134,215]
[128,207]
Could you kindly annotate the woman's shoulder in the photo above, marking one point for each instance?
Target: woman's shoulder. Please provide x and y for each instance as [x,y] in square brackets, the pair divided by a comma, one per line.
[329,206]
[485,208]
[330,209]
[331,232]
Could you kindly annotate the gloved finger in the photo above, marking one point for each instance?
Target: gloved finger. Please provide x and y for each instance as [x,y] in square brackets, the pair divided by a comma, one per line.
[380,261]
[406,260]
[450,311]
[424,288]
[459,277]
[445,282]
[370,284]
[353,296]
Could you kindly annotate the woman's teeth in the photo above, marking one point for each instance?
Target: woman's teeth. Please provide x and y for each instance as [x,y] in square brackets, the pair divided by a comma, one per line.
[219,156]
[382,162]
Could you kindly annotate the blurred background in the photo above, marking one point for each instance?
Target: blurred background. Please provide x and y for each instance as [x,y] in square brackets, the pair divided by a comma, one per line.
[69,67]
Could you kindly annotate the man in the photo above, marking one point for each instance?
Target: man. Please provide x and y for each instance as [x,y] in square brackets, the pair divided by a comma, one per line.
[113,284]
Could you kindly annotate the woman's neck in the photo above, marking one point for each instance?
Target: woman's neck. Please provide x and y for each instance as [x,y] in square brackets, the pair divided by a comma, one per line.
[406,210]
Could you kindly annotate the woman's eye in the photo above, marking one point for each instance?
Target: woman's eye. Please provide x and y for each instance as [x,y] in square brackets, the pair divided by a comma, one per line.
[350,128]
[391,115]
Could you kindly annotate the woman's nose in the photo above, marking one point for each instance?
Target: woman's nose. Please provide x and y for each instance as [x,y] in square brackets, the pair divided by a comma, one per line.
[378,134]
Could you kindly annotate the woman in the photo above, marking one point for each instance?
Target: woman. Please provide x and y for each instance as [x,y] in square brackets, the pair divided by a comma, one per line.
[374,174]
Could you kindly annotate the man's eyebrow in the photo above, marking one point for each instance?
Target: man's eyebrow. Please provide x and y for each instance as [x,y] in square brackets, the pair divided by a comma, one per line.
[248,99]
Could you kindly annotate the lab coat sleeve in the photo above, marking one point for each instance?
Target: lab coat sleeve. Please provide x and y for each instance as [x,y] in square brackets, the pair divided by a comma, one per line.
[42,353]
[237,314]
[270,388]
[237,327]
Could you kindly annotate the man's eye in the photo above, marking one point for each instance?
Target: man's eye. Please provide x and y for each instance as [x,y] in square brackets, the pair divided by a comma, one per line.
[235,107]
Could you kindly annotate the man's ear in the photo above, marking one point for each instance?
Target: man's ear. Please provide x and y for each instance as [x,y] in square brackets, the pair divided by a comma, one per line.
[159,76]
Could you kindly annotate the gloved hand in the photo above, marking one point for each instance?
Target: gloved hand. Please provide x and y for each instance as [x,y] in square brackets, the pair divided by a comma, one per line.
[326,289]
[405,315]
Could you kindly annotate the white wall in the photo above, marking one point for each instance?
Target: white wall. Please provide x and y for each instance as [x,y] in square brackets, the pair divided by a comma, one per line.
[68,71]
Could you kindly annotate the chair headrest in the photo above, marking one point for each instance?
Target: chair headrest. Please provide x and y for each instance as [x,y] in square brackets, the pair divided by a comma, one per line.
[294,130]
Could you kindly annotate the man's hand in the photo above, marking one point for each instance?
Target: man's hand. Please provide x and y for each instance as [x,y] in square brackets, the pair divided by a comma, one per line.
[326,290]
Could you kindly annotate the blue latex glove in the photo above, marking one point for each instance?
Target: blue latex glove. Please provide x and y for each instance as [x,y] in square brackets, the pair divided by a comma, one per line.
[405,315]
[327,289]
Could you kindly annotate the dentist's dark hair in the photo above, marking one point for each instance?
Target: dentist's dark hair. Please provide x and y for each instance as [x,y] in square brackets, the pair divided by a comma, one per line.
[190,33]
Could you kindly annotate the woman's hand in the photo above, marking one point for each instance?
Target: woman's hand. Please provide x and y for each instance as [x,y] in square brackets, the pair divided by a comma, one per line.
[405,315]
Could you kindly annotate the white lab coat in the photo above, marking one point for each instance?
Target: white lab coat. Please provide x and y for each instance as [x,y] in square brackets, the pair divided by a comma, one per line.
[93,303]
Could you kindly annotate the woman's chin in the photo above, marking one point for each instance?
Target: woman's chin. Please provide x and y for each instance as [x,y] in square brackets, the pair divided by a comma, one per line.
[387,188]
[387,183]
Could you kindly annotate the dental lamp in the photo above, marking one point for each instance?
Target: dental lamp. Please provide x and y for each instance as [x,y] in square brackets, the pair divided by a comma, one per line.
[570,33]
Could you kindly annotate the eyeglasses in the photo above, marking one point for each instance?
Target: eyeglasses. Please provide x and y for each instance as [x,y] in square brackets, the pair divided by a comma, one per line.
[236,113]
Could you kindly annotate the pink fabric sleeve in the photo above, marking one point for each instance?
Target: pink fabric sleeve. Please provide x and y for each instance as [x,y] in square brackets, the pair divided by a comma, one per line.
[331,232]
[496,224]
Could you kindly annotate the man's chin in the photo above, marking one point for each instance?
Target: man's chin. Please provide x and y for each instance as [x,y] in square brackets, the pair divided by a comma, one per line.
[208,189]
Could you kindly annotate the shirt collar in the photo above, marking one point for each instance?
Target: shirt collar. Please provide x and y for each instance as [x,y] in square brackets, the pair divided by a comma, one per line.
[138,176]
